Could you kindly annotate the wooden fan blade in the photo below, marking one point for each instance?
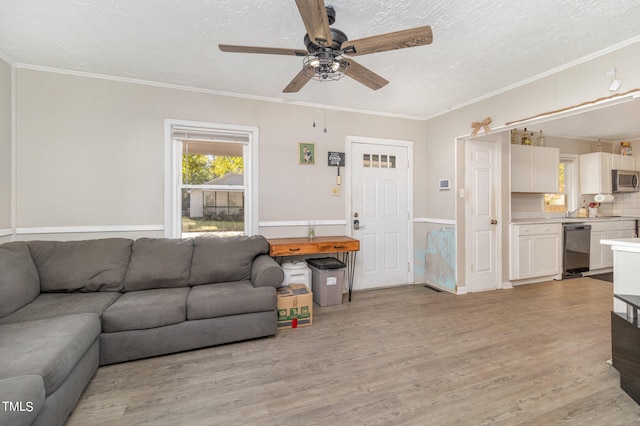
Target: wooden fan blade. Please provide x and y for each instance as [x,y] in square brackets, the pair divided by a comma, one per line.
[364,75]
[390,41]
[314,16]
[298,82]
[262,50]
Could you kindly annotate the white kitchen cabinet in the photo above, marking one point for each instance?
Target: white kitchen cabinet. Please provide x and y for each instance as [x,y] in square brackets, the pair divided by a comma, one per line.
[534,169]
[595,171]
[601,256]
[622,162]
[536,251]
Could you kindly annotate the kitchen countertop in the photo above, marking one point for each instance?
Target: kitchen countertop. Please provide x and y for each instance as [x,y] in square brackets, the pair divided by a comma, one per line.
[534,220]
[623,244]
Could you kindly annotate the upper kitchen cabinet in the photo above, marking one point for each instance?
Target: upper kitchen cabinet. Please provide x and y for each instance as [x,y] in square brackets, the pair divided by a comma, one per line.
[622,162]
[595,171]
[534,169]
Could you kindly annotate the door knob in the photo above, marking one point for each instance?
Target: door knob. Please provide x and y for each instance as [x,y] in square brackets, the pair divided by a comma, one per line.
[494,222]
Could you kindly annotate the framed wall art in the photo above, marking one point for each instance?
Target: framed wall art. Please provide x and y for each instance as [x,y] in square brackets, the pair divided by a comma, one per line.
[306,153]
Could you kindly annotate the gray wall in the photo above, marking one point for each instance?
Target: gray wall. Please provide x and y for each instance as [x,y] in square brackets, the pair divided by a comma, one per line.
[90,153]
[5,149]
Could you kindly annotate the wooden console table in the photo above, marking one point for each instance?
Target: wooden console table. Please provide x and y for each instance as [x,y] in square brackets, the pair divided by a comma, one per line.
[346,246]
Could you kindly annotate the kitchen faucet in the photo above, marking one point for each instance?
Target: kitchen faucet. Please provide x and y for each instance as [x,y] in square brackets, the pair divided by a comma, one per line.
[571,212]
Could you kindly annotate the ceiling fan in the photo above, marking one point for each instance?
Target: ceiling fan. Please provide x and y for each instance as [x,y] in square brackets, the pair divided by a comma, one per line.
[328,49]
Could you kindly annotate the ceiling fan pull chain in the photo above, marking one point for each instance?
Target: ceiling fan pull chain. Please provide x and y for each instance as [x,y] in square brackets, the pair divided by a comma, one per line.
[324,95]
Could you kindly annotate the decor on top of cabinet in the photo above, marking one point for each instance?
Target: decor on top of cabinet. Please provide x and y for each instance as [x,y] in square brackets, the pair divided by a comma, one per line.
[625,148]
[484,124]
[526,137]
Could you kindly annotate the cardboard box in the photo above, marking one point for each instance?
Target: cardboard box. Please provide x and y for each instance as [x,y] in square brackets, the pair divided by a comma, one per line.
[295,306]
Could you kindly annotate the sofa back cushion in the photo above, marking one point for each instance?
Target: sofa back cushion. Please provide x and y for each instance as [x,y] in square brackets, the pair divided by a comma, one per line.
[225,259]
[86,266]
[159,263]
[19,281]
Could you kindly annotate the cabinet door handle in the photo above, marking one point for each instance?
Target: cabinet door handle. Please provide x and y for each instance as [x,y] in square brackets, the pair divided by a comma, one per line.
[294,249]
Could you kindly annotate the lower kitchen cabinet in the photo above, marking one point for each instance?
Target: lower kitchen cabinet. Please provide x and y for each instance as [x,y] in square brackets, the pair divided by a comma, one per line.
[601,256]
[536,251]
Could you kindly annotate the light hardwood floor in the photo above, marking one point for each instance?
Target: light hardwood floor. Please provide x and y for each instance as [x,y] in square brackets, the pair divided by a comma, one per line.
[532,355]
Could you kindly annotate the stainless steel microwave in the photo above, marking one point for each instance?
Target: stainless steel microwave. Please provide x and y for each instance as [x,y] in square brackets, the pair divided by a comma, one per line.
[625,181]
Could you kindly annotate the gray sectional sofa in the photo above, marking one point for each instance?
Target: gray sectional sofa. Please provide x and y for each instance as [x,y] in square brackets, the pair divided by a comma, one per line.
[68,307]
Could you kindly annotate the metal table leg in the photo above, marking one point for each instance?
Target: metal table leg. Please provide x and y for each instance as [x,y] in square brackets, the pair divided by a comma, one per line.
[349,258]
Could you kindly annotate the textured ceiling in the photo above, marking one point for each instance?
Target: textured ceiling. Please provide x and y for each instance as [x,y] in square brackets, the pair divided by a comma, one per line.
[479,47]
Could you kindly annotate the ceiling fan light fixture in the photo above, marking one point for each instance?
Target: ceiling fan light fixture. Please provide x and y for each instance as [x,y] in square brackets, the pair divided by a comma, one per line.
[322,66]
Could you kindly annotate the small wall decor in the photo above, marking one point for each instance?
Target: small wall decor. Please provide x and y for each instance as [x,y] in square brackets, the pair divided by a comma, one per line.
[306,153]
[336,159]
[484,124]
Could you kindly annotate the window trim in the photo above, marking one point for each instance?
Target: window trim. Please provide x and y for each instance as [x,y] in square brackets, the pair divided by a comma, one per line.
[173,173]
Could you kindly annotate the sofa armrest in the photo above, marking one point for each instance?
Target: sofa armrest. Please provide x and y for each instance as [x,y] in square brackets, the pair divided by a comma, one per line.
[266,272]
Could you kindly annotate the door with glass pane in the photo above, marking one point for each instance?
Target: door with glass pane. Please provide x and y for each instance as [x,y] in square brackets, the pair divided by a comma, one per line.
[380,214]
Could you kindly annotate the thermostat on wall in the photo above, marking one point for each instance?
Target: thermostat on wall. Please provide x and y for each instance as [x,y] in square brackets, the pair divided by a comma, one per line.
[444,185]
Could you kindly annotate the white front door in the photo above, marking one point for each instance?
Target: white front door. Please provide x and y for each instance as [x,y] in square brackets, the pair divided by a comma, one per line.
[380,214]
[482,271]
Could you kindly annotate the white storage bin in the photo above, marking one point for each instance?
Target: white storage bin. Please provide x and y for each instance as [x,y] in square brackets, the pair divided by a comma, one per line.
[296,272]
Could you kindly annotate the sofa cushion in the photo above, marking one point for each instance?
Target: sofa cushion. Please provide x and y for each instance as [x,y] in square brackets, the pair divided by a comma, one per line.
[87,266]
[51,305]
[159,263]
[224,259]
[144,309]
[233,298]
[28,392]
[49,348]
[19,281]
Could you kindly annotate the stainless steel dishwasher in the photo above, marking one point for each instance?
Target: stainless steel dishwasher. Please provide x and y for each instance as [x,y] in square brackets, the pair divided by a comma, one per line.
[577,245]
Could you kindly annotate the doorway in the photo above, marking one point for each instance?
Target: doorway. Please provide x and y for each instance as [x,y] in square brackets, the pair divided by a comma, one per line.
[379,210]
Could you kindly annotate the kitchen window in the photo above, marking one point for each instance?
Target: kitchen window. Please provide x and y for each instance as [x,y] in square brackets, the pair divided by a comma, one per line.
[561,202]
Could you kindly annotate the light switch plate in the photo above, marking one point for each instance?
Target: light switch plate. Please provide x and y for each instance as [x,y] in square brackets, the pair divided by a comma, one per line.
[335,190]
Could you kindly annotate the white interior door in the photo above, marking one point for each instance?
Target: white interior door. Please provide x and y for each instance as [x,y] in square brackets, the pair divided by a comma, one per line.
[380,205]
[482,242]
